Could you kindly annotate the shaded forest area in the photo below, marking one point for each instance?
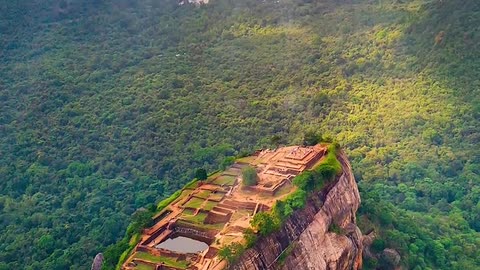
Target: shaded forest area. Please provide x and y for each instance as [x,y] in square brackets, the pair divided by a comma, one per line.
[108,106]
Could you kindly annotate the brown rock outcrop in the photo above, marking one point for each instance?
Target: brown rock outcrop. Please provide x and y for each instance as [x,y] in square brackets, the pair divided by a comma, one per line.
[304,241]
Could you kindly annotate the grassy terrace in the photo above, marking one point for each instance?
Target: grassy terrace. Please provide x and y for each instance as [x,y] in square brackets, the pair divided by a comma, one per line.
[187,222]
[224,180]
[194,203]
[188,212]
[208,205]
[217,196]
[142,266]
[203,194]
[213,176]
[197,219]
[249,160]
[165,260]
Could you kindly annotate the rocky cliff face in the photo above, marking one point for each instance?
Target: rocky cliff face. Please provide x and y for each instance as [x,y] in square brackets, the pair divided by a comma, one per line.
[304,242]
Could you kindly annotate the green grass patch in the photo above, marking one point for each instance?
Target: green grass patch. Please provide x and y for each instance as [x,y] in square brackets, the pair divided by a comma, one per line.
[249,159]
[188,212]
[168,261]
[131,245]
[336,229]
[217,196]
[203,194]
[224,180]
[134,239]
[161,205]
[217,226]
[209,205]
[192,184]
[213,176]
[331,159]
[123,258]
[197,219]
[194,203]
[142,266]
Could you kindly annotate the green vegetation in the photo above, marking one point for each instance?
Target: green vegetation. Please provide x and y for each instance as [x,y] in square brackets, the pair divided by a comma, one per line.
[224,180]
[198,222]
[322,174]
[194,203]
[336,229]
[265,223]
[188,212]
[107,106]
[203,194]
[166,260]
[161,205]
[191,185]
[142,266]
[116,254]
[217,196]
[209,205]
[311,138]
[201,174]
[197,219]
[249,176]
[231,252]
[250,238]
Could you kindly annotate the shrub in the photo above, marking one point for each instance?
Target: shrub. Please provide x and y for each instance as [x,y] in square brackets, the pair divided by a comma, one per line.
[297,199]
[311,138]
[304,181]
[231,252]
[250,177]
[265,223]
[250,238]
[201,174]
[168,200]
[336,229]
[378,245]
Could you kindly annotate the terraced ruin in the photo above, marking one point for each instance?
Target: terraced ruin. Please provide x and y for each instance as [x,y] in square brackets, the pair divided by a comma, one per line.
[213,213]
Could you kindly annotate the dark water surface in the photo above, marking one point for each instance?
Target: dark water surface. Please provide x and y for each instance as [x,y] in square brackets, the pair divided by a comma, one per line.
[183,245]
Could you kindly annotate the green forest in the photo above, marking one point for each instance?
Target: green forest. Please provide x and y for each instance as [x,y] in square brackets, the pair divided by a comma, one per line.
[108,106]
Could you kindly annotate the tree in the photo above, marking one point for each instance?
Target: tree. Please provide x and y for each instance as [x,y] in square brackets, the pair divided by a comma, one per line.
[250,177]
[201,174]
[264,223]
[141,219]
[311,138]
[46,243]
[250,237]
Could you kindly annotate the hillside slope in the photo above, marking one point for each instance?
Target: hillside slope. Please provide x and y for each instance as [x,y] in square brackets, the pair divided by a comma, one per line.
[106,106]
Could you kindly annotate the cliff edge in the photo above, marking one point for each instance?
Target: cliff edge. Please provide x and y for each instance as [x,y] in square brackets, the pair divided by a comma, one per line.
[323,235]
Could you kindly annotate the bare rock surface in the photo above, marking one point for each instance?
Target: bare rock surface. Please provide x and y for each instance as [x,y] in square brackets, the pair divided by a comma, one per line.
[97,262]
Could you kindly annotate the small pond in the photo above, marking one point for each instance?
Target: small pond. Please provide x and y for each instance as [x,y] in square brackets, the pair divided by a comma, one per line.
[183,244]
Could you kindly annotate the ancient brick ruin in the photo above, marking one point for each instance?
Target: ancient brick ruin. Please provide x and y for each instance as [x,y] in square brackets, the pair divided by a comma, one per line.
[218,210]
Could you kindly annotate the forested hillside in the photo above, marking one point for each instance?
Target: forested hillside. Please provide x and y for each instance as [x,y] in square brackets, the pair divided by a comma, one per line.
[109,105]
